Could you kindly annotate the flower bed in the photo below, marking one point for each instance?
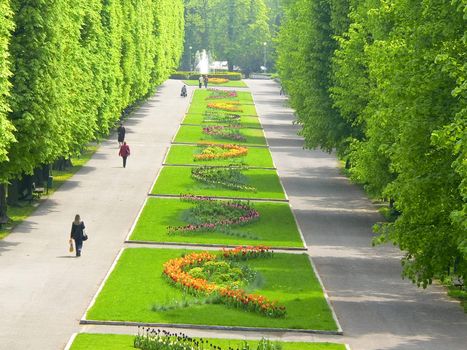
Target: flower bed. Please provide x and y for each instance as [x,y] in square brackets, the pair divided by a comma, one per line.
[216,117]
[214,214]
[226,132]
[225,106]
[221,151]
[230,177]
[221,94]
[218,80]
[180,272]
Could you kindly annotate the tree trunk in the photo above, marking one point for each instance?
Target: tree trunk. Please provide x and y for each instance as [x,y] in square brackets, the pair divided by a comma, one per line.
[13,192]
[3,206]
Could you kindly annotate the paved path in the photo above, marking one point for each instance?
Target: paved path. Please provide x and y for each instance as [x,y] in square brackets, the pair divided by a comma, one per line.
[376,308]
[43,290]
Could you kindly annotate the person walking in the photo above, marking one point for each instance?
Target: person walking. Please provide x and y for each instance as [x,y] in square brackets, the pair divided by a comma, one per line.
[121,134]
[183,93]
[200,80]
[77,234]
[206,79]
[124,153]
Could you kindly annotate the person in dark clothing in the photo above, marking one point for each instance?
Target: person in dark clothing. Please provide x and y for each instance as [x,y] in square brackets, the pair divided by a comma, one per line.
[121,134]
[206,79]
[183,93]
[124,153]
[77,234]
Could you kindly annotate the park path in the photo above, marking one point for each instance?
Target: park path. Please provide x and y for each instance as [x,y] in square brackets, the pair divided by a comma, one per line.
[376,308]
[44,291]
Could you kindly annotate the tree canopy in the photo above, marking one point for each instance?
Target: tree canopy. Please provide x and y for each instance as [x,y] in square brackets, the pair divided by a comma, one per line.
[383,83]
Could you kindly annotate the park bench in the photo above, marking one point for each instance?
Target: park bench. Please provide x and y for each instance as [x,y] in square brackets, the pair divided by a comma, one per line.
[37,191]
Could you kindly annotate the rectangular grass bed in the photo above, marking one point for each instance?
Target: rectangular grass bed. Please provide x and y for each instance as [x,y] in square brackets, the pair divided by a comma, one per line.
[276,226]
[176,180]
[199,106]
[89,341]
[194,134]
[138,291]
[230,83]
[199,119]
[202,95]
[180,154]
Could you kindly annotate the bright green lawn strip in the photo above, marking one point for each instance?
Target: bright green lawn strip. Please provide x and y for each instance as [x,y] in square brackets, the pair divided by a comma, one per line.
[199,106]
[179,154]
[276,226]
[177,180]
[194,134]
[201,96]
[19,213]
[246,122]
[88,341]
[230,83]
[137,284]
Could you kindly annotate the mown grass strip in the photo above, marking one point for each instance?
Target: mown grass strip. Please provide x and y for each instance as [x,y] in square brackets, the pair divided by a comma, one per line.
[137,285]
[276,226]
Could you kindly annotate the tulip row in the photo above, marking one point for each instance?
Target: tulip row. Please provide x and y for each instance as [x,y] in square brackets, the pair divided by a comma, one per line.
[223,176]
[250,215]
[233,151]
[245,253]
[221,94]
[226,132]
[225,106]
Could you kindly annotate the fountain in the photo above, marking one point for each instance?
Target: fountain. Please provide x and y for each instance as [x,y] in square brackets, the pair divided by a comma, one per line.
[202,62]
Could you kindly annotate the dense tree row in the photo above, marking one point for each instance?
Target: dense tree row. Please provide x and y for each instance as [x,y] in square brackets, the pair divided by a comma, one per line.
[69,69]
[384,83]
[232,31]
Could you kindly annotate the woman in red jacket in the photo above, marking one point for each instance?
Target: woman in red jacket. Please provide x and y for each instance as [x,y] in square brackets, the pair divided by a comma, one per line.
[124,153]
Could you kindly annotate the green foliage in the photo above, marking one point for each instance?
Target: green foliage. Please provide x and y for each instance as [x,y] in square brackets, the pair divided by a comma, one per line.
[233,31]
[75,69]
[6,128]
[195,76]
[387,89]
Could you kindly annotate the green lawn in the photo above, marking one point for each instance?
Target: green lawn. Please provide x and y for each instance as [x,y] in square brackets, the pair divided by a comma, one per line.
[275,228]
[88,341]
[180,154]
[137,284]
[199,119]
[177,180]
[230,83]
[194,134]
[201,95]
[199,106]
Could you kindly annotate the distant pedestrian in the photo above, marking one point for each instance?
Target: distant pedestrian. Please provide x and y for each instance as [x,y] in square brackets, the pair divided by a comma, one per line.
[183,93]
[121,134]
[281,92]
[206,79]
[77,234]
[124,153]
[200,80]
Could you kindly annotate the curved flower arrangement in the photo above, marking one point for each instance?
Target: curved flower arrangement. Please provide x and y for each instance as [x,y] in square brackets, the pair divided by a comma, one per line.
[219,117]
[226,132]
[177,273]
[226,106]
[221,94]
[221,151]
[248,216]
[230,177]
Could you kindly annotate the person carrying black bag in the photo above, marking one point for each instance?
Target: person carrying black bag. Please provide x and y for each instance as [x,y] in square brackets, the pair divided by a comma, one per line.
[77,234]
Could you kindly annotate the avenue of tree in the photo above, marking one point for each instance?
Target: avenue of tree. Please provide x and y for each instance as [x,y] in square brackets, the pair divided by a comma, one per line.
[384,83]
[68,70]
